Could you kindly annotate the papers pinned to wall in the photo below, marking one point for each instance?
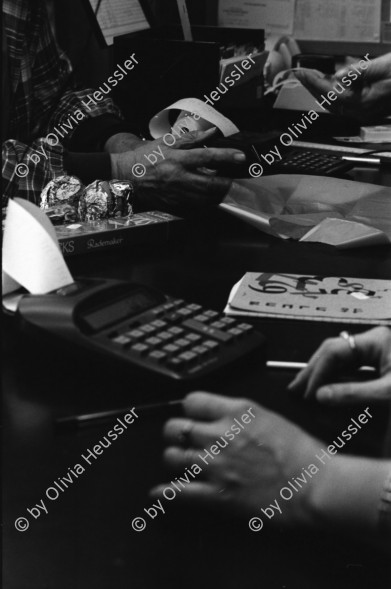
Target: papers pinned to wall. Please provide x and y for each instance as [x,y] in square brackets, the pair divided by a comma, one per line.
[336,20]
[275,16]
[118,17]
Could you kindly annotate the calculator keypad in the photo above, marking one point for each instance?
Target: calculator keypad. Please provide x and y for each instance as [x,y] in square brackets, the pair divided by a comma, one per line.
[184,339]
[301,161]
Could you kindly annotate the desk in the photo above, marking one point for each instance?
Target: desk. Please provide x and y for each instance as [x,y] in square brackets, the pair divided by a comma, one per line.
[86,539]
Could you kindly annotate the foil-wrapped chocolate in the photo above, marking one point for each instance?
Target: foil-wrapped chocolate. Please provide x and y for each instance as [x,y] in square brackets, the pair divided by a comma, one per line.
[96,202]
[122,192]
[60,199]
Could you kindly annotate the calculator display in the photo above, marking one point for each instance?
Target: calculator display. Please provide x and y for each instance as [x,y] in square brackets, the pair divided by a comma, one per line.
[119,310]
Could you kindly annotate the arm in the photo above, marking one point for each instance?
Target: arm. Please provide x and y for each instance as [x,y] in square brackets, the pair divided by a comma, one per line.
[249,473]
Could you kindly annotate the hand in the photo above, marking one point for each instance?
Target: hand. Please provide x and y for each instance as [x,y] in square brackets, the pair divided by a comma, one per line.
[367,98]
[179,178]
[334,357]
[252,465]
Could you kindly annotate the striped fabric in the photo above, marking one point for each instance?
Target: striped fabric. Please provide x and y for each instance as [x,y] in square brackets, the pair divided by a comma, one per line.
[41,98]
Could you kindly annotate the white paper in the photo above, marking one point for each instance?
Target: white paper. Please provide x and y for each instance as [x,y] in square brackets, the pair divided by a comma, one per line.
[275,16]
[209,117]
[338,20]
[31,254]
[338,212]
[118,17]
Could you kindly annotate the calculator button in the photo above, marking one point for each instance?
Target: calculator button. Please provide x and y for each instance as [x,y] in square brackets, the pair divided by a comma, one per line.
[174,317]
[176,331]
[218,325]
[195,308]
[135,334]
[140,349]
[200,350]
[228,321]
[211,314]
[121,340]
[159,324]
[193,337]
[246,328]
[182,343]
[165,335]
[157,356]
[235,331]
[176,363]
[148,328]
[207,331]
[171,349]
[201,318]
[178,302]
[188,357]
[153,341]
[169,306]
[185,312]
[211,345]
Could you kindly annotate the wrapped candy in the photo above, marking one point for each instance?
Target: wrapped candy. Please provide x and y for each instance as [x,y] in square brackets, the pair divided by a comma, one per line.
[123,193]
[96,202]
[60,199]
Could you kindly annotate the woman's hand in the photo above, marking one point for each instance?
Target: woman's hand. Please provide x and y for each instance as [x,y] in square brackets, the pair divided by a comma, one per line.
[366,98]
[335,358]
[252,454]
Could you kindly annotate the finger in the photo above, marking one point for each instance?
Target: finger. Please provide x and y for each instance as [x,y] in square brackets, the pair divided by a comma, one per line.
[212,189]
[356,392]
[198,434]
[201,492]
[330,358]
[209,406]
[378,69]
[194,138]
[178,459]
[210,157]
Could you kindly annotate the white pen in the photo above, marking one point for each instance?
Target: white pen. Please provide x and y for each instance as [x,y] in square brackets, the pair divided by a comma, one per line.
[301,365]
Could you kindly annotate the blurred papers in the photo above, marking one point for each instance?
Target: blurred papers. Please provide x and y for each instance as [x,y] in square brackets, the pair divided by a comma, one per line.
[337,212]
[313,298]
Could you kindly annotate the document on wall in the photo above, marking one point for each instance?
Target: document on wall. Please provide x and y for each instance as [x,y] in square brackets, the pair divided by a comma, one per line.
[118,17]
[338,20]
[275,16]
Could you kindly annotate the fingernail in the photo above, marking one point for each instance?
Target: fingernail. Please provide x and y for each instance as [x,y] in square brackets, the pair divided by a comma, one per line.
[211,130]
[324,394]
[240,157]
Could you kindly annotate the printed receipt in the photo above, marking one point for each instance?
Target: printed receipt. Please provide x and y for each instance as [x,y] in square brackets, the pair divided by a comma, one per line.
[31,255]
[206,118]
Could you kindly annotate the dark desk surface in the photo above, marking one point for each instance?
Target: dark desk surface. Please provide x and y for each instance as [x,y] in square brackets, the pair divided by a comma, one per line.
[86,539]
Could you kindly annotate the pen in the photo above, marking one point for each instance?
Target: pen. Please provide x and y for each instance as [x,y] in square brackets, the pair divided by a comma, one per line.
[368,161]
[301,365]
[92,419]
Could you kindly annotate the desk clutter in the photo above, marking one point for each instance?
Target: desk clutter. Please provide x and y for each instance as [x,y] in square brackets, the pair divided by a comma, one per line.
[311,298]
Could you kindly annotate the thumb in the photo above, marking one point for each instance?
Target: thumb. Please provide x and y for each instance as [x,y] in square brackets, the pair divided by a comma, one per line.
[355,392]
[194,138]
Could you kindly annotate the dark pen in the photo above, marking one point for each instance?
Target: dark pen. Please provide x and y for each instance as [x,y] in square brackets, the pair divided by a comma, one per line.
[94,419]
[383,162]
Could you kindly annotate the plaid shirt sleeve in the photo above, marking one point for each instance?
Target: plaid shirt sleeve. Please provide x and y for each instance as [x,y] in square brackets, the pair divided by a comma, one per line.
[46,104]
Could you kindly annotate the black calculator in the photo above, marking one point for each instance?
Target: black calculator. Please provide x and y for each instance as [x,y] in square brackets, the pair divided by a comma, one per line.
[141,326]
[306,161]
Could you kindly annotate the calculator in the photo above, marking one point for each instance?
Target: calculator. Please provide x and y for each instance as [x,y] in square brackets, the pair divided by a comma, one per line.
[295,160]
[306,161]
[141,327]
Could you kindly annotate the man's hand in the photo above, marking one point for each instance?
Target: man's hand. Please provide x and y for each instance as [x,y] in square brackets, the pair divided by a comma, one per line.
[179,178]
[252,465]
[335,357]
[367,98]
